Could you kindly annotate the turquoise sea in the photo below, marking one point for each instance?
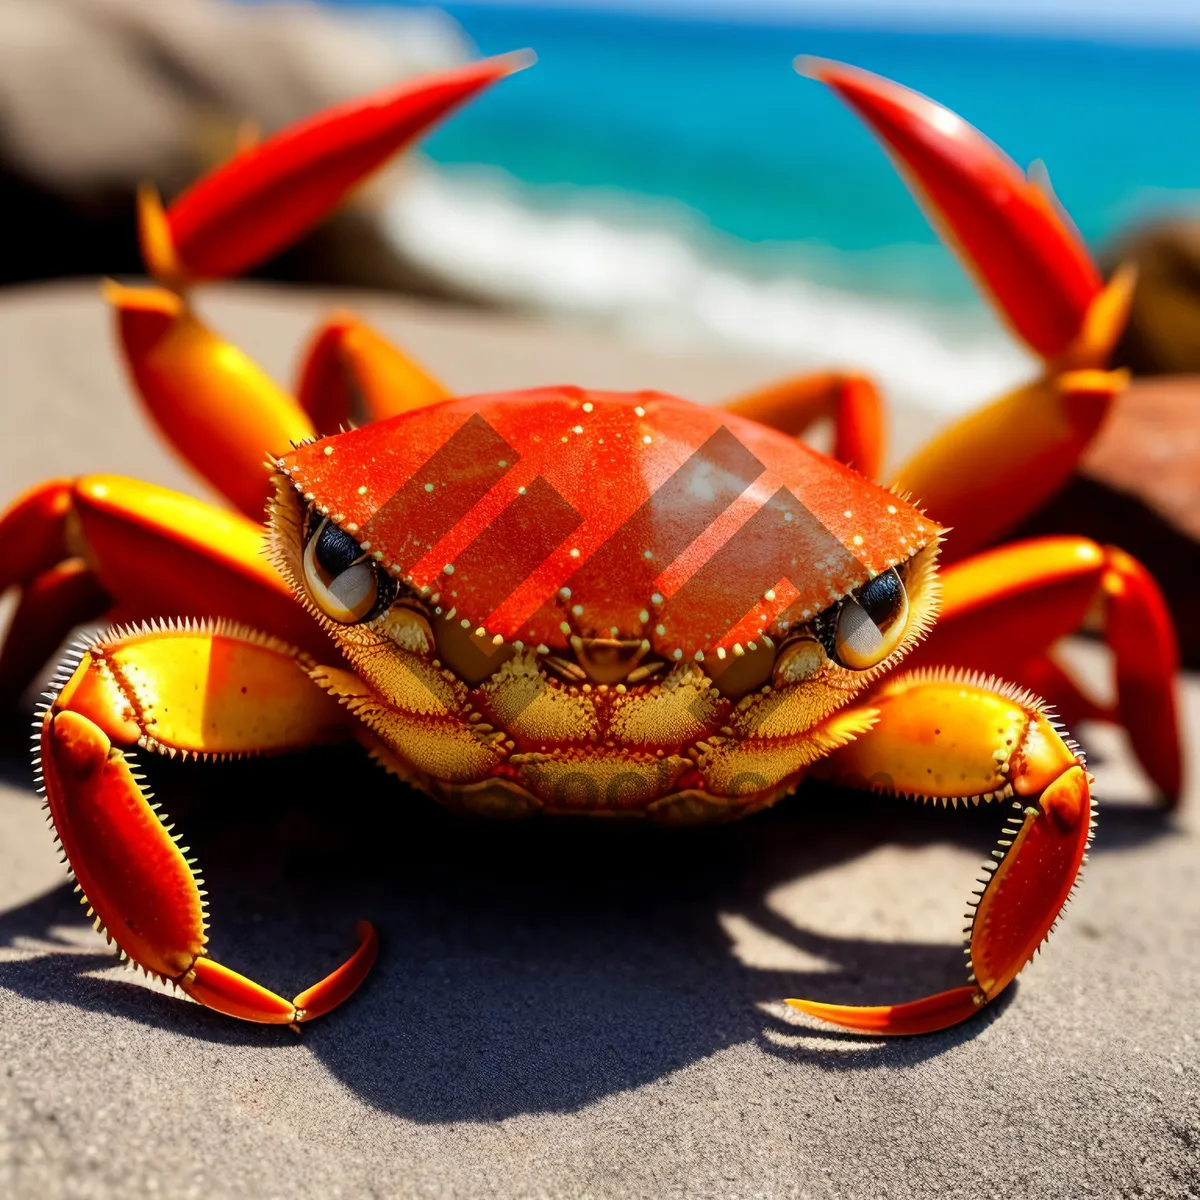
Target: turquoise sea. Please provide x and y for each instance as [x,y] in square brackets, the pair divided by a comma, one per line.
[647,160]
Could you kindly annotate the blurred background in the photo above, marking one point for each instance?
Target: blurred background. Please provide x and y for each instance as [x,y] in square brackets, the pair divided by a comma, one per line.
[664,176]
[662,170]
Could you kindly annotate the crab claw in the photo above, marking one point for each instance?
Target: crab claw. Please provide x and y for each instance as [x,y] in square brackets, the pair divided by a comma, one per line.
[1015,914]
[269,194]
[132,874]
[1007,230]
[948,735]
[219,988]
[918,1016]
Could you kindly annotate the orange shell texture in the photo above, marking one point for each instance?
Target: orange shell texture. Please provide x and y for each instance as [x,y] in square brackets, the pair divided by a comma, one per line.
[543,514]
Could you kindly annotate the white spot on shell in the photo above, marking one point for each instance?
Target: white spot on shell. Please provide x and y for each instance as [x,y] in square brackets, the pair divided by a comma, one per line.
[448,569]
[328,449]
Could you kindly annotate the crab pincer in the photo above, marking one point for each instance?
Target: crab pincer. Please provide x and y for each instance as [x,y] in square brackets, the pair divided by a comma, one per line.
[197,690]
[270,193]
[945,736]
[985,472]
[1008,231]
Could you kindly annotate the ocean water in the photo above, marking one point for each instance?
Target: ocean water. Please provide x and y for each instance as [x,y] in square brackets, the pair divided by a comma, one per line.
[678,179]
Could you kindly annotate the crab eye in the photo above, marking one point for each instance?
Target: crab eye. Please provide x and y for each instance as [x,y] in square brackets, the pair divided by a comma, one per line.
[871,623]
[343,583]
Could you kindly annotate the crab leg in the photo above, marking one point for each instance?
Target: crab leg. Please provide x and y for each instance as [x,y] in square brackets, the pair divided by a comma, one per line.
[989,470]
[955,736]
[215,405]
[349,364]
[52,604]
[104,545]
[1002,610]
[985,473]
[1009,233]
[202,689]
[273,191]
[852,402]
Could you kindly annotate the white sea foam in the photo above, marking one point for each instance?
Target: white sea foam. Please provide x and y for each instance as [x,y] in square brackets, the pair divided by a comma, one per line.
[594,258]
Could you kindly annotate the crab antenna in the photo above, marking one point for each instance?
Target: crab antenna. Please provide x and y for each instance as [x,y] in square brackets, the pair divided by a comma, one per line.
[270,193]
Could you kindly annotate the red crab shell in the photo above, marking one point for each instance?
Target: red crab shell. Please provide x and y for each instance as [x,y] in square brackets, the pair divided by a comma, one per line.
[543,514]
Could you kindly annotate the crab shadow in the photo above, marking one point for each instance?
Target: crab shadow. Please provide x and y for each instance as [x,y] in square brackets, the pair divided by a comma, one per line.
[528,967]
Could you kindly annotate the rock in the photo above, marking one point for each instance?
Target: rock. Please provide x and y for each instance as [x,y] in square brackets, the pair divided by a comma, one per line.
[1138,486]
[98,95]
[1163,334]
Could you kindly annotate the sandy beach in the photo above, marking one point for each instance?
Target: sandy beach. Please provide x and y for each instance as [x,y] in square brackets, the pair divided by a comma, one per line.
[567,1009]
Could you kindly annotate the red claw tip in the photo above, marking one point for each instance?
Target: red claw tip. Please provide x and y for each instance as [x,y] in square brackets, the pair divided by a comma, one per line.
[1011,238]
[919,1016]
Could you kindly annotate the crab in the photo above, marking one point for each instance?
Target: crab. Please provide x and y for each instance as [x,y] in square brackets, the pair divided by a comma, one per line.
[570,601]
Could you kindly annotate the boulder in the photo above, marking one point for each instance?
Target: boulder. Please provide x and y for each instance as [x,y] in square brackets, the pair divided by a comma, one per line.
[1163,334]
[1138,486]
[98,95]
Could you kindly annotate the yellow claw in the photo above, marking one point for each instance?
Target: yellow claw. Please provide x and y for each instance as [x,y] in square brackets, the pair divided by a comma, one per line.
[191,690]
[956,737]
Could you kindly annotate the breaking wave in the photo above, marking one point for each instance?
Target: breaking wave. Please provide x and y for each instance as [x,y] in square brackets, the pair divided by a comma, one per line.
[657,275]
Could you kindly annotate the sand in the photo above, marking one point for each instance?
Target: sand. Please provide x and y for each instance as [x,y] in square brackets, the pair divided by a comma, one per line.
[569,1009]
